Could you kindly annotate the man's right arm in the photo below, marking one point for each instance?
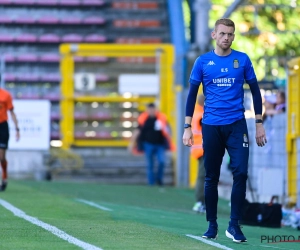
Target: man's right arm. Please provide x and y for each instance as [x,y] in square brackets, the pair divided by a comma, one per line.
[189,111]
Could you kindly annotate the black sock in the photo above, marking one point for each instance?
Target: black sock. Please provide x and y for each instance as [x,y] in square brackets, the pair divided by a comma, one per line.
[234,222]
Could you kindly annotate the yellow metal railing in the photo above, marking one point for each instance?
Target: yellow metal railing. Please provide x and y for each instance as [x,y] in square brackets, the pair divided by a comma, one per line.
[293,127]
[165,98]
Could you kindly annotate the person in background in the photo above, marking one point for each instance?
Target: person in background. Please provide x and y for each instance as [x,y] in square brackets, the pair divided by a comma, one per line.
[197,153]
[5,106]
[270,104]
[153,138]
[280,106]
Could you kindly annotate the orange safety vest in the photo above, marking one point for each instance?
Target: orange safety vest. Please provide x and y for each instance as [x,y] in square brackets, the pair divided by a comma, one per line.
[165,129]
[197,148]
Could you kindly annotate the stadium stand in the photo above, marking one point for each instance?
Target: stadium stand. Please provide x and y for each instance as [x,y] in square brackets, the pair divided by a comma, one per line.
[32,30]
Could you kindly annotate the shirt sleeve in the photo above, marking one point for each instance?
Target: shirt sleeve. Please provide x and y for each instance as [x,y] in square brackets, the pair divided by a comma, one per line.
[249,73]
[9,102]
[196,74]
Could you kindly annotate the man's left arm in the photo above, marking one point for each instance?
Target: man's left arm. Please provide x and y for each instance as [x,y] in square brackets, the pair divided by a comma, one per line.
[260,136]
[14,118]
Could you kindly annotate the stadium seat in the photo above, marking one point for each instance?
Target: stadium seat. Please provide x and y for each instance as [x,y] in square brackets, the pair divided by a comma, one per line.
[97,59]
[69,2]
[138,40]
[5,2]
[25,20]
[136,60]
[135,5]
[5,19]
[51,77]
[101,78]
[5,38]
[46,2]
[70,20]
[72,38]
[47,20]
[27,77]
[92,2]
[49,38]
[78,59]
[27,58]
[94,20]
[26,38]
[23,2]
[50,58]
[9,58]
[136,23]
[95,38]
[9,77]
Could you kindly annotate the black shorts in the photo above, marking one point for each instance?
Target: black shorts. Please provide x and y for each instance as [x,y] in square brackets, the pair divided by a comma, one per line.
[4,135]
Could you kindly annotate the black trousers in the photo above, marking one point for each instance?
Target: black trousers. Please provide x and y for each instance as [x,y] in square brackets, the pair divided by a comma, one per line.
[217,138]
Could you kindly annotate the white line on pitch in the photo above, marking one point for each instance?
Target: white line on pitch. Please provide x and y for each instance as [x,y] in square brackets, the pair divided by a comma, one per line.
[93,204]
[54,230]
[209,242]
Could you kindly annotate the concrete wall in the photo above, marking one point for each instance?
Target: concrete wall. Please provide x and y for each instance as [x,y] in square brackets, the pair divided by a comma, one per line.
[25,164]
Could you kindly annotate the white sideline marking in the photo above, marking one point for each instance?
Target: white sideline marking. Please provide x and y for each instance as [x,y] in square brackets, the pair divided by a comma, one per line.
[54,230]
[209,242]
[93,204]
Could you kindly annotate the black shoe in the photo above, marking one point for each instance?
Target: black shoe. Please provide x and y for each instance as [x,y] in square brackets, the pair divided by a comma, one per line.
[3,185]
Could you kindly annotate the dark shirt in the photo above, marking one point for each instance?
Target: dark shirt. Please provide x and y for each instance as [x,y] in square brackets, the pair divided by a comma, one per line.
[149,134]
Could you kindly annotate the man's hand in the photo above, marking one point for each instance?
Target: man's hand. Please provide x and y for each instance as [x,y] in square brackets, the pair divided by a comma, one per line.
[188,139]
[260,136]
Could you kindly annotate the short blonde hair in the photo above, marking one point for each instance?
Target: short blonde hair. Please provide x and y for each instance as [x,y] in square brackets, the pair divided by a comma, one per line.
[225,21]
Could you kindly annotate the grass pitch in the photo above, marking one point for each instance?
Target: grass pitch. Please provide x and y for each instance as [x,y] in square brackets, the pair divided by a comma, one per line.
[141,217]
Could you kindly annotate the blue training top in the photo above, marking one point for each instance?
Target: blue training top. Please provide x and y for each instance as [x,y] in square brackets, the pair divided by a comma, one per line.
[223,78]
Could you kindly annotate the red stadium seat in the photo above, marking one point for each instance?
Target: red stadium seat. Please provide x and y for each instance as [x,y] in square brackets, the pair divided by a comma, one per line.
[136,23]
[135,5]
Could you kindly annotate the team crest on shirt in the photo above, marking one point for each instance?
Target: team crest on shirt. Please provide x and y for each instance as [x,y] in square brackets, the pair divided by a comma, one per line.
[236,63]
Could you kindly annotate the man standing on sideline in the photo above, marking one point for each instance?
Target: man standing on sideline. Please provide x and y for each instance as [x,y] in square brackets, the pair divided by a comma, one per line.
[153,137]
[5,105]
[223,72]
[197,153]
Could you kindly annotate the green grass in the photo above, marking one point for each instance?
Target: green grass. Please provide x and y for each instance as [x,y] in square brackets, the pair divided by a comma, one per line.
[141,218]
